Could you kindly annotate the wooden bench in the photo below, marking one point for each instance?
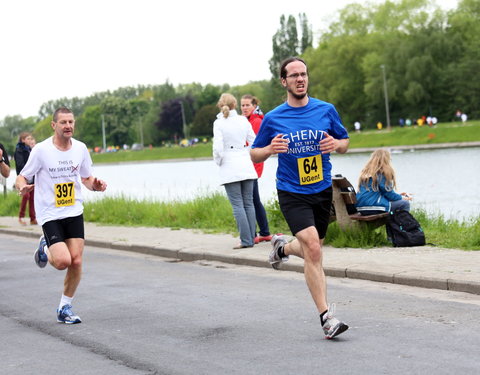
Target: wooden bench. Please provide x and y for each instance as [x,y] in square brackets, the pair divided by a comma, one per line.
[343,194]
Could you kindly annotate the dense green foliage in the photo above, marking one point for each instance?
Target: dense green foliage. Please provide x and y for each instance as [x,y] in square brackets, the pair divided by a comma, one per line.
[213,214]
[430,57]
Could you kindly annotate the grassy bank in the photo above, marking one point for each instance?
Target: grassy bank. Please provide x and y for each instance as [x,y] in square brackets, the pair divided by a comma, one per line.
[213,214]
[156,153]
[442,133]
[414,135]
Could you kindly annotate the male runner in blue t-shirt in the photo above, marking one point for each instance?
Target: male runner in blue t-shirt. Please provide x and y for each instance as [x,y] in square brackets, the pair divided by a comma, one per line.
[303,132]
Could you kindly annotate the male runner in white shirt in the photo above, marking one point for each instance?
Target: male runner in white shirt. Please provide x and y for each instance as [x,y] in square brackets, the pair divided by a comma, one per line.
[60,164]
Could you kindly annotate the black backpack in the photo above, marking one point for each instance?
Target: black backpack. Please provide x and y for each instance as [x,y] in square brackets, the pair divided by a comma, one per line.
[404,230]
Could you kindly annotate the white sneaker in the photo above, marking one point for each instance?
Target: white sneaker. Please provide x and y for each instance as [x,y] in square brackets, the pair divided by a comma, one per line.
[332,326]
[277,241]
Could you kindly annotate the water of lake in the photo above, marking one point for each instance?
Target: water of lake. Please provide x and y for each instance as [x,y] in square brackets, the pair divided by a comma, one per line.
[445,181]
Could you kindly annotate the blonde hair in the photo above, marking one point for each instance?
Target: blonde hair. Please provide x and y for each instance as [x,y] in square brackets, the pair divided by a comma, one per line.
[378,164]
[226,103]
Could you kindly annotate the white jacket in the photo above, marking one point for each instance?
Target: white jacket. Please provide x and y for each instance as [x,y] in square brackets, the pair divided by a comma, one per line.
[230,150]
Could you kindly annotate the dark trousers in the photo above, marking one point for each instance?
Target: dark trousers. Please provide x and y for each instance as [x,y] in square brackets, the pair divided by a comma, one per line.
[260,213]
[27,198]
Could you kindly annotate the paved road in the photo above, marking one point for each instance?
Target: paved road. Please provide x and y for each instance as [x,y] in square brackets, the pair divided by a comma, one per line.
[149,315]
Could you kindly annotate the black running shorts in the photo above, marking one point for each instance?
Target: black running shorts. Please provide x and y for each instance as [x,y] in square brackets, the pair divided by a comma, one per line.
[60,230]
[305,210]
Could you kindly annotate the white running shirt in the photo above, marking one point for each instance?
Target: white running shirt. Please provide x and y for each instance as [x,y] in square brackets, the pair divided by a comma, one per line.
[58,192]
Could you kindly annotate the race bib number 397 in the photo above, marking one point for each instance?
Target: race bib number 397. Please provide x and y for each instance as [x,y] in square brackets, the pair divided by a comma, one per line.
[64,194]
[310,169]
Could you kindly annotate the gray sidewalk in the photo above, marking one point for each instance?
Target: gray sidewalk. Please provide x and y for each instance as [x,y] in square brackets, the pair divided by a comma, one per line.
[427,267]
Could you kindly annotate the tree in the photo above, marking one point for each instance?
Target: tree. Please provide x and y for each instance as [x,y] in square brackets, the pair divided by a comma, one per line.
[420,53]
[202,125]
[307,36]
[43,129]
[75,104]
[117,120]
[170,124]
[11,127]
[464,77]
[89,126]
[285,42]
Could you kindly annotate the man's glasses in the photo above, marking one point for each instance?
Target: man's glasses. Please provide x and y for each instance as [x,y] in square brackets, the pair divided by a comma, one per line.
[296,75]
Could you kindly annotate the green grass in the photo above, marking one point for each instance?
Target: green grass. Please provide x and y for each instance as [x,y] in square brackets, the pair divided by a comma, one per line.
[213,214]
[414,135]
[200,150]
[442,133]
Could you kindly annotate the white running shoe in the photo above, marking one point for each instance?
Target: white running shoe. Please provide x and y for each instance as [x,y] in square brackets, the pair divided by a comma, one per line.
[332,326]
[277,241]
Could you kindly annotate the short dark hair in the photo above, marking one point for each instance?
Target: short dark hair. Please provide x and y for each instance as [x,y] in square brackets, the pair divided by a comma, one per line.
[283,66]
[61,110]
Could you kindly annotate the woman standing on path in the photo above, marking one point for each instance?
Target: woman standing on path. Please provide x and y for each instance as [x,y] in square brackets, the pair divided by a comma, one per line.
[252,112]
[232,137]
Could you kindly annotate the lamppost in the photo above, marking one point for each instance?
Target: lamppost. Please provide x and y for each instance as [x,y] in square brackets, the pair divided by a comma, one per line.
[184,125]
[386,96]
[103,134]
[141,130]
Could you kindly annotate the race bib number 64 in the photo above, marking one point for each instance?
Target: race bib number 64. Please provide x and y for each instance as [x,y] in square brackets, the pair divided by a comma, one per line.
[64,194]
[310,169]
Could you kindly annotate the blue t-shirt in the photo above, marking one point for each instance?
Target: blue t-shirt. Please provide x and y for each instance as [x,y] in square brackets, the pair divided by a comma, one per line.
[303,169]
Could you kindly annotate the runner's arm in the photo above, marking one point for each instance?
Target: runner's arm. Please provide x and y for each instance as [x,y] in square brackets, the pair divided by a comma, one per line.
[94,184]
[277,146]
[330,144]
[4,167]
[22,185]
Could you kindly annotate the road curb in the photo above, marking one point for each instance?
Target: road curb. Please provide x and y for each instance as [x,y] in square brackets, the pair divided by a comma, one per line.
[190,255]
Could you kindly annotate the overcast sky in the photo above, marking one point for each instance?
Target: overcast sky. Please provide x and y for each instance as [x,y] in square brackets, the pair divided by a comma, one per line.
[61,48]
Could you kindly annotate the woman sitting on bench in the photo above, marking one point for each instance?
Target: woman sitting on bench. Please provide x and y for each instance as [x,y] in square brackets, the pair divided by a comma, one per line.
[376,186]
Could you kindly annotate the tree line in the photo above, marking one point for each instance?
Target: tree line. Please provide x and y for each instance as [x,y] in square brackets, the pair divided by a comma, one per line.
[430,59]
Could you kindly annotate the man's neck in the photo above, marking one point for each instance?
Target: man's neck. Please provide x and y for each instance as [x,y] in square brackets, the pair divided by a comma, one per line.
[62,144]
[295,102]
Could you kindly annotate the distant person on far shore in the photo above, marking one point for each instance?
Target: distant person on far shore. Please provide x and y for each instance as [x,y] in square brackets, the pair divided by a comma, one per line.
[376,186]
[357,126]
[458,114]
[464,117]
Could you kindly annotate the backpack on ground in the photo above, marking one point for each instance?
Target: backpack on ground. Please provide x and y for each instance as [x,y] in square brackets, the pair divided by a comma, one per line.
[404,230]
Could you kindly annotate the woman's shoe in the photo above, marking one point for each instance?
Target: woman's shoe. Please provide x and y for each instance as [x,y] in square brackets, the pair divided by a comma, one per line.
[20,220]
[34,222]
[263,238]
[240,246]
